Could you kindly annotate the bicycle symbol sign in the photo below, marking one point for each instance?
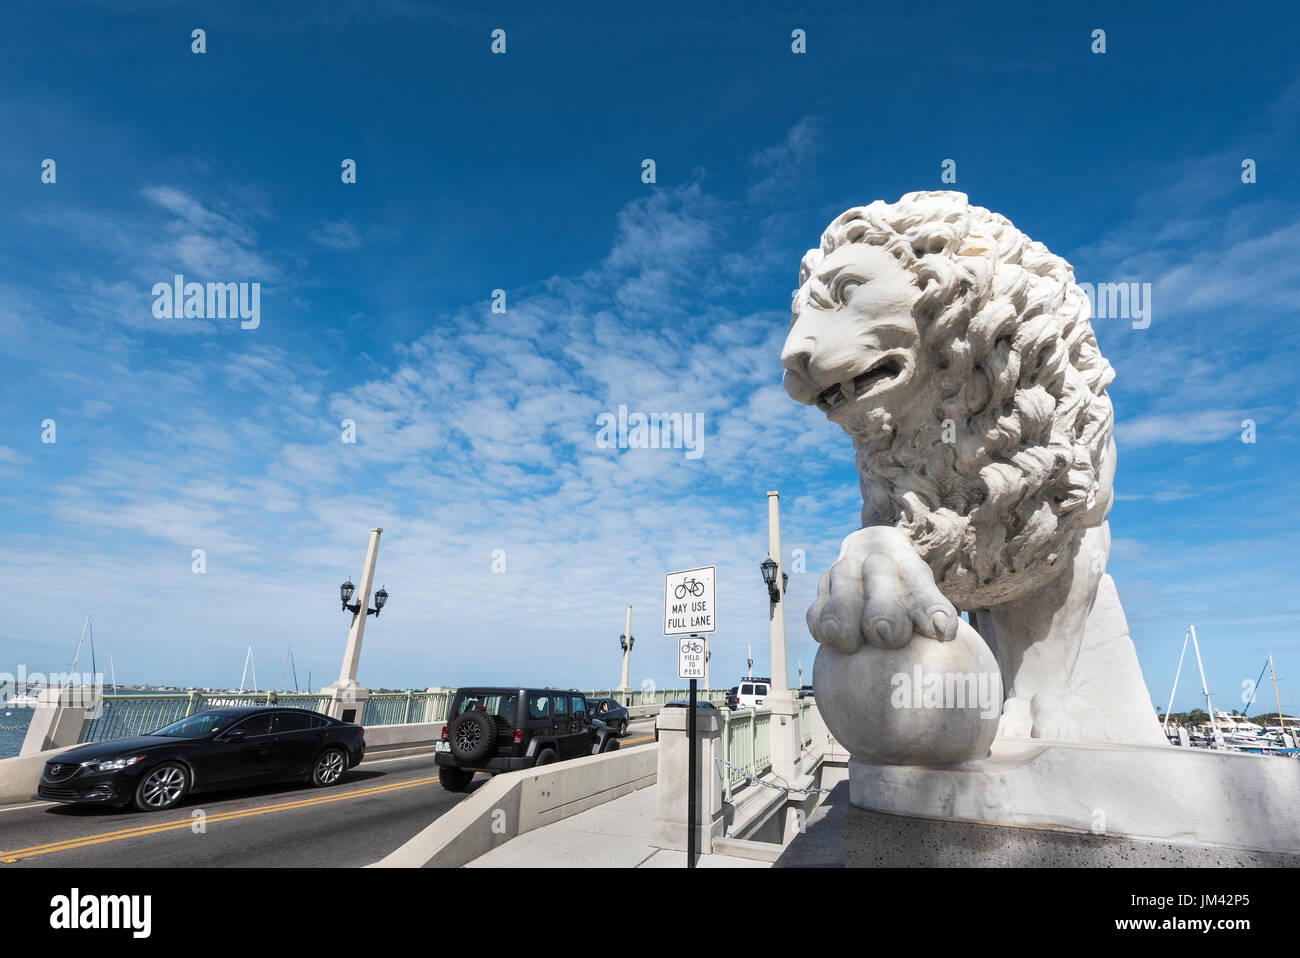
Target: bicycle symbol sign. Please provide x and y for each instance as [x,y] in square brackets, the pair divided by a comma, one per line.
[691,657]
[690,602]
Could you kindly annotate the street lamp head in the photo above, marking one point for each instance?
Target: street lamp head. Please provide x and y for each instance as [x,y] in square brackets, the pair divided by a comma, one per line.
[345,592]
[769,568]
[625,642]
[380,598]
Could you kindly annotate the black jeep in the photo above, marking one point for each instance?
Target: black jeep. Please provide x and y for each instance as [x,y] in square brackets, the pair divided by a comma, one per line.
[504,729]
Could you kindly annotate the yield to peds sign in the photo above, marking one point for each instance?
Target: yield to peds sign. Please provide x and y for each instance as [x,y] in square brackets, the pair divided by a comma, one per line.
[692,653]
[689,602]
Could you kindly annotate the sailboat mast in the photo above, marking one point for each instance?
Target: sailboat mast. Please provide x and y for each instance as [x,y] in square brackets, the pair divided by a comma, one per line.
[1170,707]
[76,656]
[1276,696]
[1214,722]
[112,672]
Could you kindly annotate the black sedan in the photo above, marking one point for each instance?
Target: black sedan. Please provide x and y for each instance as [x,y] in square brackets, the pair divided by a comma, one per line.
[219,748]
[611,713]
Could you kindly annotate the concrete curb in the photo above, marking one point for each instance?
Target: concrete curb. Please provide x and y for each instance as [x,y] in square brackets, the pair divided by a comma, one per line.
[514,803]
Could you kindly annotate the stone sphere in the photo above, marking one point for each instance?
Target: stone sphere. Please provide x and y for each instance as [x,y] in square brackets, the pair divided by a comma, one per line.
[926,703]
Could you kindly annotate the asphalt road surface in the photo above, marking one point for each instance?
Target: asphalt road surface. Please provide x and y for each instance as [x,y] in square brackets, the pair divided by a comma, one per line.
[377,807]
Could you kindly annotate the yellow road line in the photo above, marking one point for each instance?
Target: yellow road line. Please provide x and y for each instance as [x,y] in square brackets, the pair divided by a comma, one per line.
[633,741]
[141,830]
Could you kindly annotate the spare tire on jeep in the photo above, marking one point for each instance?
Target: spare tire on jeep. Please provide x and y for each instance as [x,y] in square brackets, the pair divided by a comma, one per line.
[473,736]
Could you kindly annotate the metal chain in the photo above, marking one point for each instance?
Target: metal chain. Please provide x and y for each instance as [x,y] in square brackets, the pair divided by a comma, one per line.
[780,788]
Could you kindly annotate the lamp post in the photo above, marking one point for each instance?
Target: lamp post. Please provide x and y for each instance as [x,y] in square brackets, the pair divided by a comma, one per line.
[625,642]
[348,696]
[785,751]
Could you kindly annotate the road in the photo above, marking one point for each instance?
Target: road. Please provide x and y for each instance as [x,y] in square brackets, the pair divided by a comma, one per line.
[377,807]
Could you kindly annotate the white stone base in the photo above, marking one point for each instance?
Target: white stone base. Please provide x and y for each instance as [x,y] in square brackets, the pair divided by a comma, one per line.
[1155,792]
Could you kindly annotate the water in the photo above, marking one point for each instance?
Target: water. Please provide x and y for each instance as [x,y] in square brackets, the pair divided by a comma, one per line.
[13,729]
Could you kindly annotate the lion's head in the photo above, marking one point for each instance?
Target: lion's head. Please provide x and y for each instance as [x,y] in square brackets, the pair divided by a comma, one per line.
[958,354]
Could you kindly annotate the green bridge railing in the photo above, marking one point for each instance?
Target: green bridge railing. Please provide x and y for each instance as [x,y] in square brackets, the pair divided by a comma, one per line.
[123,715]
[407,708]
[746,744]
[119,716]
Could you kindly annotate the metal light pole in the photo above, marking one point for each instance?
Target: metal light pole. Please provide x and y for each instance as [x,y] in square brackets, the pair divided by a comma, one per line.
[348,698]
[781,704]
[625,642]
[360,612]
[776,614]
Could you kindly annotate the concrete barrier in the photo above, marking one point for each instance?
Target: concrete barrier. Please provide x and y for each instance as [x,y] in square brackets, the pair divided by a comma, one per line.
[389,740]
[20,776]
[514,803]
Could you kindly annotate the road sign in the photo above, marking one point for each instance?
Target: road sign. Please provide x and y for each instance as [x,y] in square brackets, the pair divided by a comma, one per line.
[690,603]
[692,650]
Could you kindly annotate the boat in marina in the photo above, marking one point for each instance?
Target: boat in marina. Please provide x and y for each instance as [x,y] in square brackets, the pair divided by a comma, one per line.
[1230,731]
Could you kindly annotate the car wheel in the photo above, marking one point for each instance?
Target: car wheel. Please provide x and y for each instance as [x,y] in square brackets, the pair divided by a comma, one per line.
[546,756]
[455,779]
[329,768]
[162,788]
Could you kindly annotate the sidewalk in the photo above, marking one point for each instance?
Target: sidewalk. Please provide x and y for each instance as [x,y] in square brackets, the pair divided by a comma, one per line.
[613,835]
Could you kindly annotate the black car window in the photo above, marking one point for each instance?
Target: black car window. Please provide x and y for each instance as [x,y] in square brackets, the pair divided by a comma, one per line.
[493,704]
[292,722]
[195,726]
[747,689]
[561,706]
[580,705]
[539,706]
[319,721]
[254,724]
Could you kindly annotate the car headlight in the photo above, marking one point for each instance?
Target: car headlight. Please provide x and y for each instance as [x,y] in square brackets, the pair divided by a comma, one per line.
[110,764]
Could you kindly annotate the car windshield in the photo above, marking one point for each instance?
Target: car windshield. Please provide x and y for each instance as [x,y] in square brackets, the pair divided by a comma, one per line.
[197,725]
[497,703]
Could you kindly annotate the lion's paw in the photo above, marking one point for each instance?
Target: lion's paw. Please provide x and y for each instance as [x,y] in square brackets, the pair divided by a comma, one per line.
[1016,721]
[879,591]
[1069,718]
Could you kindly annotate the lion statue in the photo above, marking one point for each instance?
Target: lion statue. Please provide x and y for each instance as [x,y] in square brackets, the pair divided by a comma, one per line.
[958,355]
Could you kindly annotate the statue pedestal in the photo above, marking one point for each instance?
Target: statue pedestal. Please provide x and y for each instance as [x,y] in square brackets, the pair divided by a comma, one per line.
[1066,803]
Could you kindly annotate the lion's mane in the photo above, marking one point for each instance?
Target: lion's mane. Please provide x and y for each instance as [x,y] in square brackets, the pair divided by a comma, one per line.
[998,488]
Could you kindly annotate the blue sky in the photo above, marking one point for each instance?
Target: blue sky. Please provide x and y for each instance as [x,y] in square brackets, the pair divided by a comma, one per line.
[476,431]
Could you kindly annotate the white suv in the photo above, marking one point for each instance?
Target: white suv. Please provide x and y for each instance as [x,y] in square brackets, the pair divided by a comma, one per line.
[752,692]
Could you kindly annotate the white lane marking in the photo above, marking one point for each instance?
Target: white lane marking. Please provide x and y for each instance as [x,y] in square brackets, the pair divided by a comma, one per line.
[14,808]
[400,758]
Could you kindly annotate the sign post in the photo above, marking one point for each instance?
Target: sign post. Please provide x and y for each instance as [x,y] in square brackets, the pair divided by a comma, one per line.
[690,609]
